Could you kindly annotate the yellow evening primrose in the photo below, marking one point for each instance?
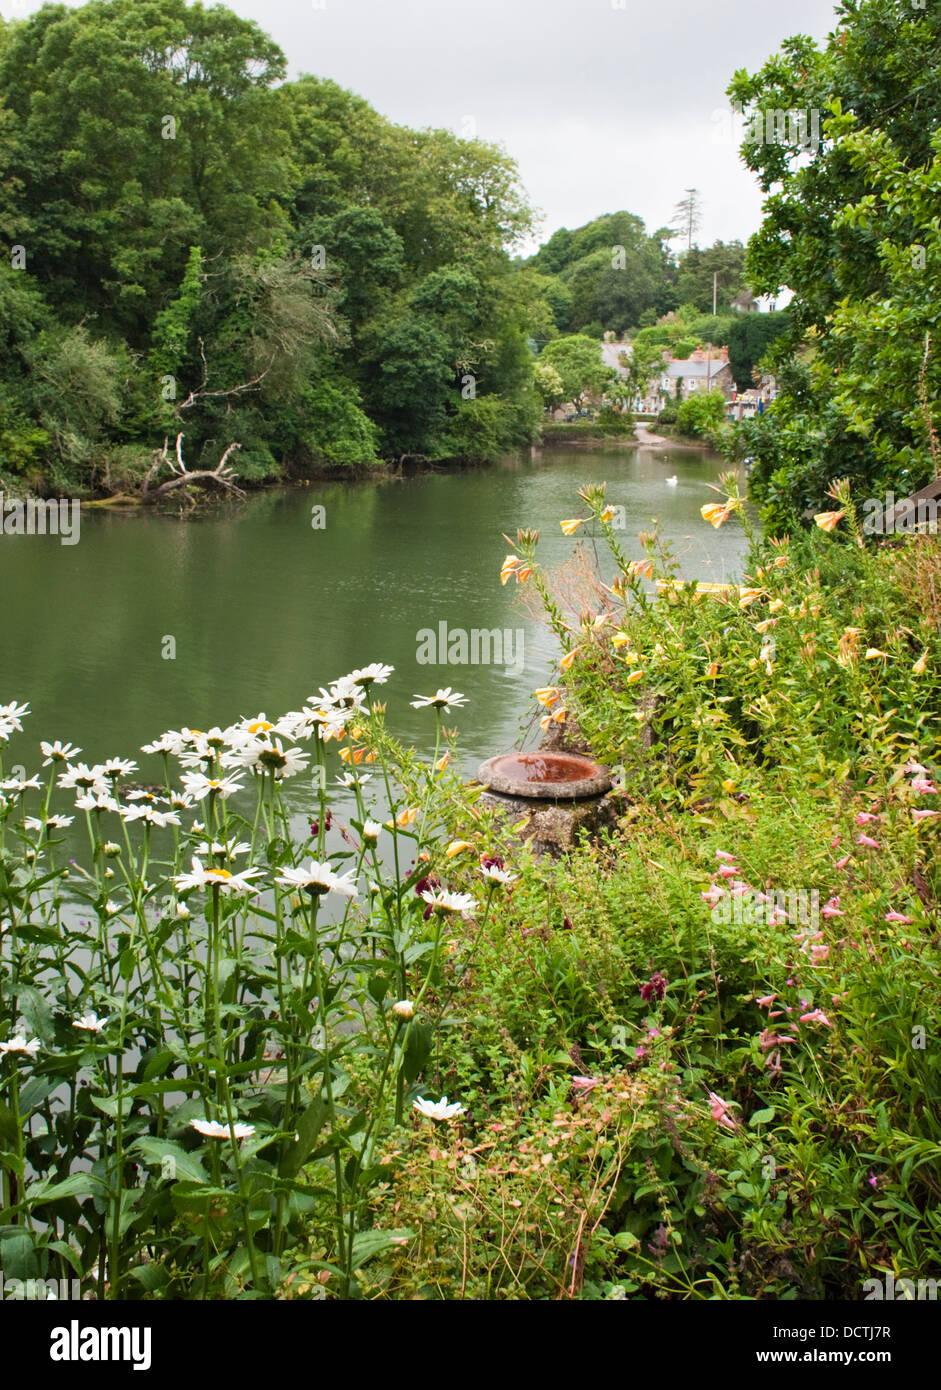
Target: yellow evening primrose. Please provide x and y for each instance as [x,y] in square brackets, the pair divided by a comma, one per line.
[570,526]
[828,520]
[457,847]
[919,667]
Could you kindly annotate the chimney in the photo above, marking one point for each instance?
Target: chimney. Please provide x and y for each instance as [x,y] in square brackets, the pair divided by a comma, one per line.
[725,354]
[667,355]
[698,355]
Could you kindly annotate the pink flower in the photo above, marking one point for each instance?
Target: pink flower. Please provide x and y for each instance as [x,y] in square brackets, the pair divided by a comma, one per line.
[728,870]
[585,1083]
[865,817]
[842,863]
[818,954]
[915,767]
[922,785]
[899,917]
[714,895]
[724,854]
[771,1039]
[816,1016]
[719,1109]
[832,908]
[766,1001]
[922,815]
[867,841]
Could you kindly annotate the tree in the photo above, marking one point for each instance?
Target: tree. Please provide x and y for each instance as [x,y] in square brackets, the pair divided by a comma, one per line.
[749,338]
[549,385]
[688,216]
[725,261]
[577,360]
[849,227]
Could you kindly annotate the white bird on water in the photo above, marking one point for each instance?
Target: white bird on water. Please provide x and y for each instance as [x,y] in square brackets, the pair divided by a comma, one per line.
[671,482]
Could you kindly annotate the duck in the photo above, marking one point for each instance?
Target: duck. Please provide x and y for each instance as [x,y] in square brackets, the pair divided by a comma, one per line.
[671,482]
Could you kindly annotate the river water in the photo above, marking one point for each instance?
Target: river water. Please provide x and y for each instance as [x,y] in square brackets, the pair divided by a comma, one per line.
[262,607]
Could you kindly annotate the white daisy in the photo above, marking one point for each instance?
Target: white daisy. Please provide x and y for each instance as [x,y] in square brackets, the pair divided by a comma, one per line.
[353,779]
[170,742]
[58,752]
[444,700]
[85,779]
[20,784]
[148,814]
[213,1130]
[497,875]
[227,883]
[19,1044]
[13,714]
[50,823]
[118,767]
[371,831]
[230,848]
[199,786]
[441,901]
[319,878]
[269,757]
[438,1109]
[90,1022]
[96,801]
[375,674]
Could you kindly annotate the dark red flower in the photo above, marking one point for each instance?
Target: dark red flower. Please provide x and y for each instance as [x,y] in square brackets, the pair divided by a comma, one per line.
[655,988]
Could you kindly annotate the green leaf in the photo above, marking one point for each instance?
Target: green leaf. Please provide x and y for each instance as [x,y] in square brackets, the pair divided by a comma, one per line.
[75,1185]
[174,1161]
[366,1244]
[308,1128]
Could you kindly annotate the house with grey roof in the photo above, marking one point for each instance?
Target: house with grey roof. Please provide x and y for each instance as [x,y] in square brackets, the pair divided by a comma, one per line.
[705,370]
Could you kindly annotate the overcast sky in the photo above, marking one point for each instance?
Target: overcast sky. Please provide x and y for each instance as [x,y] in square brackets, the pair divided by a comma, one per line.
[604,104]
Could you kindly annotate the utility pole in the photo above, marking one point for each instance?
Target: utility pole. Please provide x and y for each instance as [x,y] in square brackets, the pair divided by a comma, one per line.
[715,290]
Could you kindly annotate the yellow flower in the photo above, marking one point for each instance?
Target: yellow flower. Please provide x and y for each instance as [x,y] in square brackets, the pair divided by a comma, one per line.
[828,520]
[775,605]
[712,669]
[442,762]
[406,817]
[523,574]
[644,567]
[456,847]
[620,639]
[728,785]
[780,561]
[548,696]
[634,677]
[919,667]
[764,626]
[567,659]
[873,654]
[715,513]
[747,596]
[608,513]
[571,526]
[509,565]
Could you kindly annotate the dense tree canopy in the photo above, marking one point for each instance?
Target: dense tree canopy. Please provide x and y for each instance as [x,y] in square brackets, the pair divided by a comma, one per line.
[192,244]
[852,228]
